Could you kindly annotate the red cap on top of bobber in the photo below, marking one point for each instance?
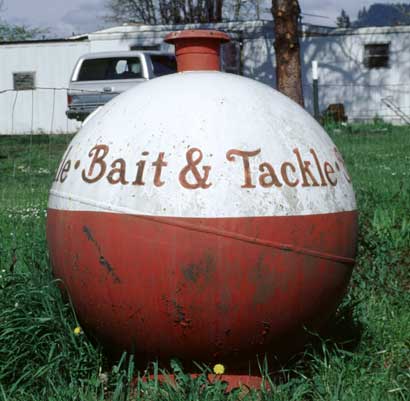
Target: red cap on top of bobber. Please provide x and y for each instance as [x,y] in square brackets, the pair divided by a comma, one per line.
[197,49]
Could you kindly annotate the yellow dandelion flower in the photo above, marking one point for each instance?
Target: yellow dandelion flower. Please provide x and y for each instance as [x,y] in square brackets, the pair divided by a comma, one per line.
[219,369]
[77,331]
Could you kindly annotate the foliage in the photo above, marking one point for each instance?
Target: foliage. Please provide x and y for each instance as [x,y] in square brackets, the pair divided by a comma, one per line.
[378,14]
[363,354]
[181,12]
[165,11]
[381,14]
[10,32]
[343,20]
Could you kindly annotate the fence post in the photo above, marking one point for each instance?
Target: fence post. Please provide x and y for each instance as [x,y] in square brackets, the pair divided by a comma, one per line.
[315,77]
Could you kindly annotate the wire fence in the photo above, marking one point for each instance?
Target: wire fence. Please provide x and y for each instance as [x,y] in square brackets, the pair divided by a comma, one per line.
[364,102]
[43,110]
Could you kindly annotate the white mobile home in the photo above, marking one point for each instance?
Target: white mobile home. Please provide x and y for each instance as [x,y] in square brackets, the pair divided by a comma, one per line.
[33,78]
[366,69]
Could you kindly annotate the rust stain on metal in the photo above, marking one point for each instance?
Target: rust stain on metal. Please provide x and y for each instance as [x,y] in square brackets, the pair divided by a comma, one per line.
[191,272]
[102,260]
[179,313]
[265,331]
[204,269]
[262,337]
[265,282]
[179,310]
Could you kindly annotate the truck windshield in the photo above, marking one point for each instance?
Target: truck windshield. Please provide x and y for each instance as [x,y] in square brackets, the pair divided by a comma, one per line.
[163,64]
[100,69]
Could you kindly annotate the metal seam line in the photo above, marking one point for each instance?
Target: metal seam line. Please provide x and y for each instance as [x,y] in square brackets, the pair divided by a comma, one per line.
[246,238]
[208,230]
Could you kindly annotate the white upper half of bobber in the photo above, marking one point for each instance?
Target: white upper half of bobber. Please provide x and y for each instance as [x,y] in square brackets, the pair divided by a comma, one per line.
[203,144]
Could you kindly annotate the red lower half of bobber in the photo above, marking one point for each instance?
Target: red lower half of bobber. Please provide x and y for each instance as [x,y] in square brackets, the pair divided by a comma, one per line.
[208,290]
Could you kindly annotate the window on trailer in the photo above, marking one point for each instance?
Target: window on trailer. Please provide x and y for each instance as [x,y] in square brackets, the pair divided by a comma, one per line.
[376,55]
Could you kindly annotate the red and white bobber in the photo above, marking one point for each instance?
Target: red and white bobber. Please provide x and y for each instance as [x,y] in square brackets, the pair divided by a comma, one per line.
[203,216]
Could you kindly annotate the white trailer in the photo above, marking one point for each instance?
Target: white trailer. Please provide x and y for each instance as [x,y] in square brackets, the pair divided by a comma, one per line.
[366,69]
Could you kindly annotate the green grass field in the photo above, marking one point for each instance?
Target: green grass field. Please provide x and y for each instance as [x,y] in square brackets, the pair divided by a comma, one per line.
[363,355]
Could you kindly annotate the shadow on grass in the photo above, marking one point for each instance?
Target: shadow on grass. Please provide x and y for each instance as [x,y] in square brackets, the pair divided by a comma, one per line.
[342,333]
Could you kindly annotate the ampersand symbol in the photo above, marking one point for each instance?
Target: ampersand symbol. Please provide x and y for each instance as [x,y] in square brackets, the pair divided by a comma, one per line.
[191,167]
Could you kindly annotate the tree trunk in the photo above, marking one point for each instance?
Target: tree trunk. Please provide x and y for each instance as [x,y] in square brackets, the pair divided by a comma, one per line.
[287,49]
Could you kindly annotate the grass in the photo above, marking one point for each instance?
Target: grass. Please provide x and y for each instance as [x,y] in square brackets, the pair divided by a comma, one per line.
[363,355]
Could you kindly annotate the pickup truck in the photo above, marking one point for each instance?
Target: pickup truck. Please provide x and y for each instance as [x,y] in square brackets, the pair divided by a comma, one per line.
[99,77]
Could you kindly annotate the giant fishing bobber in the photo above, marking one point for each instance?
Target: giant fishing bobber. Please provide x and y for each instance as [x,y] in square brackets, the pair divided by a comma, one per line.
[203,216]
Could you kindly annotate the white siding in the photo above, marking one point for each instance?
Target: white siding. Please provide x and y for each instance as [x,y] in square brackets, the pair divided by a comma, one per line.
[33,110]
[345,79]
